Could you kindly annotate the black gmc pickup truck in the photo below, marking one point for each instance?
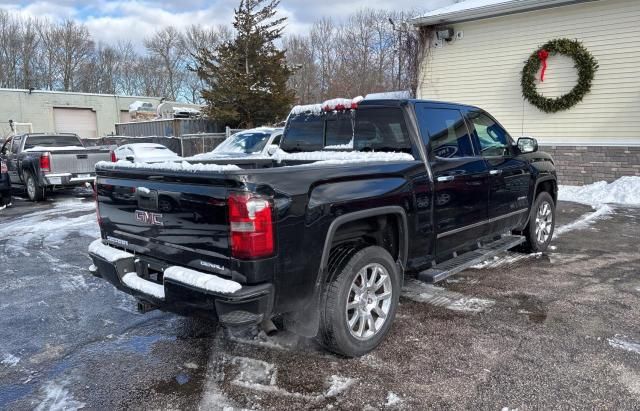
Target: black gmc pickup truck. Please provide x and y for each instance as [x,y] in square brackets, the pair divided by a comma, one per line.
[322,234]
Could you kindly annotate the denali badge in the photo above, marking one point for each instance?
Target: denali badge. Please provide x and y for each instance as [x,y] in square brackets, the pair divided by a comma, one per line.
[149,218]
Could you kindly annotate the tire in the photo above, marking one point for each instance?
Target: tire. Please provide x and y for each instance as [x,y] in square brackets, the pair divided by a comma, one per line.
[34,190]
[542,220]
[367,331]
[6,199]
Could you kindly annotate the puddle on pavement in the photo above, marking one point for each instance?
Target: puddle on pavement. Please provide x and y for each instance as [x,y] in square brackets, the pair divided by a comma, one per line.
[532,307]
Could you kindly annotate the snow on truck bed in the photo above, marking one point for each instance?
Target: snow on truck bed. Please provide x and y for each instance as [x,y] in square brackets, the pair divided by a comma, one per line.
[318,158]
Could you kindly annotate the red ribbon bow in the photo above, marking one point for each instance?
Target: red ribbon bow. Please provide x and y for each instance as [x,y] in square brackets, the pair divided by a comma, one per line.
[543,55]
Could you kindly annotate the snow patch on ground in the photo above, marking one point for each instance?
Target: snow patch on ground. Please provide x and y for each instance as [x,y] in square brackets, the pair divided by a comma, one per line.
[507,258]
[585,221]
[426,293]
[10,360]
[50,227]
[392,399]
[339,385]
[58,398]
[623,343]
[624,191]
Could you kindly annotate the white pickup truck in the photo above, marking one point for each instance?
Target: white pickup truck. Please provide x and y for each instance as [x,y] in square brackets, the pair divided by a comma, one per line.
[42,162]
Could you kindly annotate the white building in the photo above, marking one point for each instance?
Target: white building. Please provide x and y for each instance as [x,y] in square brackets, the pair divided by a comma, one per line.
[482,62]
[88,115]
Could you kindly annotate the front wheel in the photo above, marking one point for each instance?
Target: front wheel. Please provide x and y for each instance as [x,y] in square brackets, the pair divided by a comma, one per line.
[542,222]
[360,302]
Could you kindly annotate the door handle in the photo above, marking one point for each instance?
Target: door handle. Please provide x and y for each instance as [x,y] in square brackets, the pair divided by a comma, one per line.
[445,178]
[495,172]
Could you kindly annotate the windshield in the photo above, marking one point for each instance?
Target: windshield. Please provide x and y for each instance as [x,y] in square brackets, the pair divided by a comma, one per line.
[248,142]
[52,141]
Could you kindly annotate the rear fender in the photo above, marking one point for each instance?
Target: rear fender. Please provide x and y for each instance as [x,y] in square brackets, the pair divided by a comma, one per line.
[306,321]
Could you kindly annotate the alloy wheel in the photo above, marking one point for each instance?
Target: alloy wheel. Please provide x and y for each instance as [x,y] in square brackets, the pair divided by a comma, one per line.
[544,222]
[369,301]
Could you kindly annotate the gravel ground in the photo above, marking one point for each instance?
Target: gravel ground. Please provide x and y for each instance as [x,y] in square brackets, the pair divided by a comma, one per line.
[550,331]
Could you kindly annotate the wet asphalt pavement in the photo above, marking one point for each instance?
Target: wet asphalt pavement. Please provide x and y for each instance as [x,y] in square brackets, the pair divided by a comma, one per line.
[551,331]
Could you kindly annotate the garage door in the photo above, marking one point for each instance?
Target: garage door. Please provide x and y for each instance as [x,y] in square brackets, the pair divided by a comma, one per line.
[81,121]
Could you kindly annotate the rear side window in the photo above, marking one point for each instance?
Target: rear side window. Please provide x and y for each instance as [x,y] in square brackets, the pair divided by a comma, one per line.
[339,130]
[305,132]
[381,129]
[448,134]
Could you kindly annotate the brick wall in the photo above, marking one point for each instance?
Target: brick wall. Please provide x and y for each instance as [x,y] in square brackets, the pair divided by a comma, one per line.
[579,165]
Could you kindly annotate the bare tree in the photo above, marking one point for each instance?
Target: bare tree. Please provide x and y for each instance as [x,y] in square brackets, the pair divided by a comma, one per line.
[75,48]
[167,45]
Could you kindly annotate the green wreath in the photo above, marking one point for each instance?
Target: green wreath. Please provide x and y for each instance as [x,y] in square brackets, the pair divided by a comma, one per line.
[585,63]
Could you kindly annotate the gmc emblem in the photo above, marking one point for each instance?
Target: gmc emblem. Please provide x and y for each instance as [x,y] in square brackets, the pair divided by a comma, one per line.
[149,218]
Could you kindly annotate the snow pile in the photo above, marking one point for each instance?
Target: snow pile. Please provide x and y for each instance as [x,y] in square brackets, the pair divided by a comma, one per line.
[132,280]
[64,148]
[625,191]
[342,157]
[168,166]
[109,254]
[389,95]
[200,280]
[308,108]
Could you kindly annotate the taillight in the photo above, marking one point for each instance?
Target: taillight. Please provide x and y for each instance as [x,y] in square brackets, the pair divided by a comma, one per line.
[251,226]
[45,162]
[3,167]
[113,157]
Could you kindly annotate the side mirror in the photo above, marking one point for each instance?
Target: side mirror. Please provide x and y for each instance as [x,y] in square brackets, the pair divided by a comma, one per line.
[272,149]
[527,145]
[130,158]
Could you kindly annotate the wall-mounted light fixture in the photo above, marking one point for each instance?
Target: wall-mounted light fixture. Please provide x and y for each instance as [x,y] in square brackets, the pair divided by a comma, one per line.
[445,33]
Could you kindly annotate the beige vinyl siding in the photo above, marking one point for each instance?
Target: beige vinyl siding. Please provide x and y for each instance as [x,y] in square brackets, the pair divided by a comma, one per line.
[484,67]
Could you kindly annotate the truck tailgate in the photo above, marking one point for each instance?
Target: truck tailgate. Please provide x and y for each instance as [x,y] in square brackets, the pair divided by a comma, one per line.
[180,222]
[77,162]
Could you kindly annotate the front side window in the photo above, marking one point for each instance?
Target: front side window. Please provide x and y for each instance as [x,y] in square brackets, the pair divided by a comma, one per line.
[15,144]
[447,131]
[492,138]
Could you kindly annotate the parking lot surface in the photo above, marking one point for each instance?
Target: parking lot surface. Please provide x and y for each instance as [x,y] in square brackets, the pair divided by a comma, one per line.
[549,331]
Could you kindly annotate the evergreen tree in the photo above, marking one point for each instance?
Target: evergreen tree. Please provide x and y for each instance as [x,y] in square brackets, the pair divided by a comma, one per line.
[247,77]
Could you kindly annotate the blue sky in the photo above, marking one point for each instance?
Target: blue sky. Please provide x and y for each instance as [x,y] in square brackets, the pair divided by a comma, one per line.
[113,20]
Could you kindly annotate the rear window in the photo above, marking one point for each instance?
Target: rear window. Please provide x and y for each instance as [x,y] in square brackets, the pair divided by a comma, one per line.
[52,141]
[366,129]
[304,133]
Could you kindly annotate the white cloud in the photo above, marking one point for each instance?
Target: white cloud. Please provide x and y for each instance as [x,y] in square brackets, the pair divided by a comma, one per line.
[110,21]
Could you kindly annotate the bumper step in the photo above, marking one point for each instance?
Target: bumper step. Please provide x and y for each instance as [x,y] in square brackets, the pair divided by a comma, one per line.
[463,261]
[239,317]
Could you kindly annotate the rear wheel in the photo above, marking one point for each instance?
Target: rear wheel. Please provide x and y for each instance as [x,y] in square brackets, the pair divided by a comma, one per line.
[539,231]
[359,304]
[34,190]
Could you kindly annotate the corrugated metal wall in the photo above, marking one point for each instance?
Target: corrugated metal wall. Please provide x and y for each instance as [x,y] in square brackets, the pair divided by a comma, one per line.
[167,128]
